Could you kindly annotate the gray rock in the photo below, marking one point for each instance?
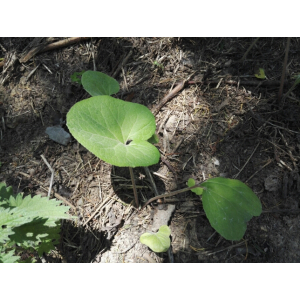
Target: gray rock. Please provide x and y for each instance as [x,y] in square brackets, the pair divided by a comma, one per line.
[58,135]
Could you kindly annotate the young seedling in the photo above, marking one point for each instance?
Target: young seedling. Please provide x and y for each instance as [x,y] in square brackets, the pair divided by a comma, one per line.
[116,131]
[76,77]
[159,241]
[228,203]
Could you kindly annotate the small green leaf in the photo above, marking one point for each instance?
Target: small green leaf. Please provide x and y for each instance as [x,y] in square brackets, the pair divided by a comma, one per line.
[157,242]
[229,204]
[114,130]
[76,77]
[198,191]
[156,63]
[97,83]
[260,73]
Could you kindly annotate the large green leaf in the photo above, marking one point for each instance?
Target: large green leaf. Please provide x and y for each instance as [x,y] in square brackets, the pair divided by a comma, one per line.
[97,83]
[32,207]
[19,212]
[114,130]
[37,235]
[229,204]
[157,242]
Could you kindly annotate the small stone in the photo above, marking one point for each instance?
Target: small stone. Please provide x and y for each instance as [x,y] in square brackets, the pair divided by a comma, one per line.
[216,161]
[80,202]
[58,134]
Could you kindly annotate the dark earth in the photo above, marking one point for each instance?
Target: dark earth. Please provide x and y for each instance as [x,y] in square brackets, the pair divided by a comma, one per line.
[224,122]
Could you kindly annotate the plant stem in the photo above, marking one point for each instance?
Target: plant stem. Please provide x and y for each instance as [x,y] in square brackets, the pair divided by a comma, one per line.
[172,194]
[134,188]
[284,70]
[245,55]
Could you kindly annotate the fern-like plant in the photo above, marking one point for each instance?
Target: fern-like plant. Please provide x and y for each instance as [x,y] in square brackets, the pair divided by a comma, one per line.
[30,223]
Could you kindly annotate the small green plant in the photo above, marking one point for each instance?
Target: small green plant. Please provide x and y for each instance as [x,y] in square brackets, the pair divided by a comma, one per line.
[157,64]
[76,77]
[229,204]
[159,241]
[259,73]
[30,223]
[122,133]
[114,130]
[118,132]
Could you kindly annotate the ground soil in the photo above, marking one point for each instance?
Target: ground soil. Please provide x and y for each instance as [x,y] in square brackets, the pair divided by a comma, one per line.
[224,122]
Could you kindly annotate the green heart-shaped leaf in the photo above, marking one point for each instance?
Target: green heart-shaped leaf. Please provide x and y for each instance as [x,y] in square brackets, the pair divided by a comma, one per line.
[114,130]
[229,204]
[97,83]
[198,191]
[157,242]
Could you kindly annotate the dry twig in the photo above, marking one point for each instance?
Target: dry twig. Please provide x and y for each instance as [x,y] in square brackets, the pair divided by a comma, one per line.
[52,174]
[168,97]
[235,176]
[43,48]
[284,69]
[55,194]
[248,50]
[99,207]
[123,63]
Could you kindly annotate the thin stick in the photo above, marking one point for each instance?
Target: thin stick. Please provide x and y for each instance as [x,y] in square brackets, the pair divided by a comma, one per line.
[123,63]
[284,69]
[99,207]
[168,97]
[151,180]
[64,43]
[171,194]
[56,195]
[251,46]
[235,176]
[55,45]
[134,188]
[31,73]
[36,46]
[52,174]
[268,162]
